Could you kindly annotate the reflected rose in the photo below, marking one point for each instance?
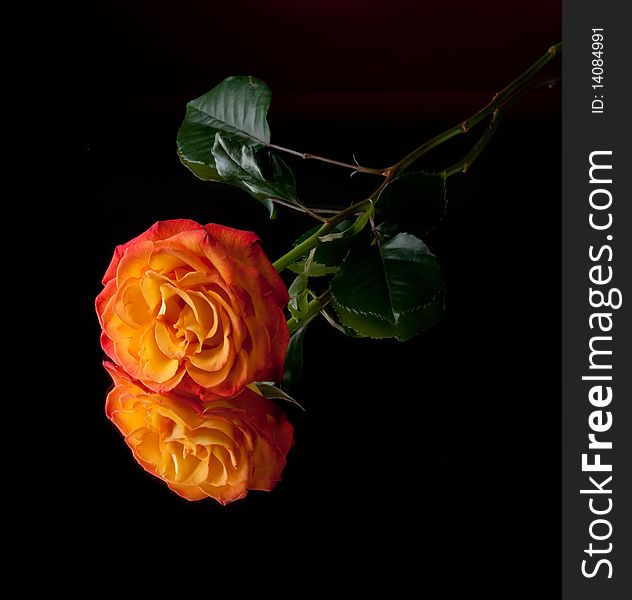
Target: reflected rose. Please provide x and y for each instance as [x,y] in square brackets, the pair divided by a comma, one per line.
[220,449]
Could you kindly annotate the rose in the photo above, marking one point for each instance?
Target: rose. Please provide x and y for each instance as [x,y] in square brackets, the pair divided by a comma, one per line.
[192,307]
[220,449]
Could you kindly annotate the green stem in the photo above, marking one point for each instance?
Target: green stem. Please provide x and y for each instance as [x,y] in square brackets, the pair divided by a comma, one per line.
[301,249]
[464,164]
[313,240]
[463,127]
[495,108]
[313,308]
[330,161]
[299,207]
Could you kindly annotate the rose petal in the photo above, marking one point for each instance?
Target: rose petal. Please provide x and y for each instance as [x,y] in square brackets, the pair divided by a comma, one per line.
[169,344]
[221,452]
[154,363]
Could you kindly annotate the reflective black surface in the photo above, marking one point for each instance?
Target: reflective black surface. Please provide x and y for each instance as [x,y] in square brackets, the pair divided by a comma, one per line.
[434,460]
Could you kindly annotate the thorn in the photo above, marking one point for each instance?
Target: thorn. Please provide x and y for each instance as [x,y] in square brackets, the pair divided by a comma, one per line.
[355,160]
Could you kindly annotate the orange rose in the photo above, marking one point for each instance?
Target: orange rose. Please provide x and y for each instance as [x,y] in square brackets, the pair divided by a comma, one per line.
[219,450]
[195,308]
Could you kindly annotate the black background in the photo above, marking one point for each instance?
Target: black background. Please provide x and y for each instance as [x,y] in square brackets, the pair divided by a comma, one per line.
[430,462]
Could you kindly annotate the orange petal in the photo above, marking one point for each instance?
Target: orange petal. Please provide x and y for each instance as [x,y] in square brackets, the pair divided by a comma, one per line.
[213,359]
[190,470]
[245,247]
[146,445]
[210,379]
[188,492]
[169,344]
[150,288]
[155,365]
[104,298]
[130,305]
[134,262]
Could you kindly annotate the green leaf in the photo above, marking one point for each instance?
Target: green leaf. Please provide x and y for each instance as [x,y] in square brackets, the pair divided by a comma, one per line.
[389,289]
[298,292]
[414,202]
[272,392]
[294,358]
[244,167]
[332,319]
[200,170]
[237,108]
[224,136]
[298,304]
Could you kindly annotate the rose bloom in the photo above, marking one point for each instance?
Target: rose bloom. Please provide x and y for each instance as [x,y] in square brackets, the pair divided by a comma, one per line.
[220,449]
[193,307]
